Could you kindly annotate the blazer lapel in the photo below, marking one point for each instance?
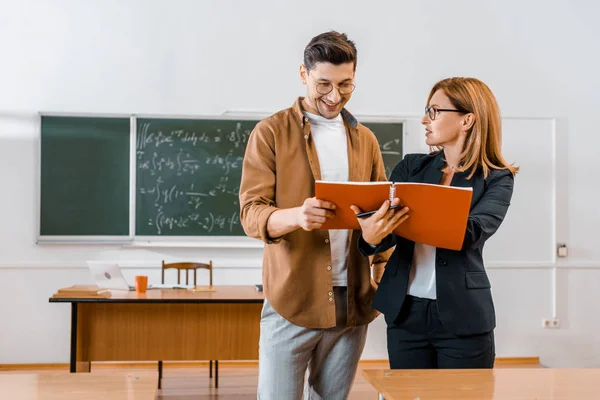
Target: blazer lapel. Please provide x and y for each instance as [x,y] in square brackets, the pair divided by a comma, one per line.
[433,172]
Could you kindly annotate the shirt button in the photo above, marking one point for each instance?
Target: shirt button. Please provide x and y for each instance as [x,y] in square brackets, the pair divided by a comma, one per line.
[330,293]
[331,299]
[306,137]
[326,240]
[329,268]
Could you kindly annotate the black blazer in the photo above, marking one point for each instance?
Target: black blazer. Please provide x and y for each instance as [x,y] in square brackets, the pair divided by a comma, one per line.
[464,298]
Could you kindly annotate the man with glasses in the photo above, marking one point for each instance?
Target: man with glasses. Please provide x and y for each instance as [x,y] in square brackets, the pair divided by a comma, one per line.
[317,285]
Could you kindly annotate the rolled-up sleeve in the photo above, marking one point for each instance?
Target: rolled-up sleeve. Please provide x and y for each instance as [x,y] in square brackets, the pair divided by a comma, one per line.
[257,187]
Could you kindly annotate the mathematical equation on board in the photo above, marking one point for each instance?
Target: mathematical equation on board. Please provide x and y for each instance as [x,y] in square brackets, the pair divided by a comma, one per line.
[209,222]
[189,181]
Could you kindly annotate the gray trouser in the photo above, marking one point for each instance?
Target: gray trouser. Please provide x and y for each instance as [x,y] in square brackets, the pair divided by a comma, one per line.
[286,351]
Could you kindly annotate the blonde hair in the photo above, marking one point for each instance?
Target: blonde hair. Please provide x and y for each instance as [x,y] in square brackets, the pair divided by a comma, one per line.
[482,148]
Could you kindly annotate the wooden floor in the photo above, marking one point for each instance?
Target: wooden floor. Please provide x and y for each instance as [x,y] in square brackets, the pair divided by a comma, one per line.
[236,381]
[62,385]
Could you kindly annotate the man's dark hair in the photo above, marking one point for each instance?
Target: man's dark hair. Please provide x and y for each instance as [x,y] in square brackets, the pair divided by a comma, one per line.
[332,47]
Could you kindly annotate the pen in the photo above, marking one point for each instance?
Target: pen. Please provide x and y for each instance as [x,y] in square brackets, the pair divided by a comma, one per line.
[368,213]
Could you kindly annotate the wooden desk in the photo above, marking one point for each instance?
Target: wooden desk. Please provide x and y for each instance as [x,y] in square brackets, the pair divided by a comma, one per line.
[174,324]
[480,384]
[65,386]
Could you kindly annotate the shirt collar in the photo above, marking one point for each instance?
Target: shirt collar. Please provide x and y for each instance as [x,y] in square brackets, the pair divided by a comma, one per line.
[346,115]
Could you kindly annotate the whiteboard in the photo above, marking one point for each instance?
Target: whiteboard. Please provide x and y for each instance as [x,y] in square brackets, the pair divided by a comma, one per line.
[528,233]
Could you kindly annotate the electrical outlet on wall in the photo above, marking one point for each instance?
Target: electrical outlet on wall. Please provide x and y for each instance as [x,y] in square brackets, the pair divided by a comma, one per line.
[562,250]
[550,323]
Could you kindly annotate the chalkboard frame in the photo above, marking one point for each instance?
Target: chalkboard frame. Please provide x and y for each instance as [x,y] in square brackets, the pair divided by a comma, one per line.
[133,240]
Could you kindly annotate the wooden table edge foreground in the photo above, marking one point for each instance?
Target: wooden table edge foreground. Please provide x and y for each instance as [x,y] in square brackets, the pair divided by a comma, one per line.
[481,384]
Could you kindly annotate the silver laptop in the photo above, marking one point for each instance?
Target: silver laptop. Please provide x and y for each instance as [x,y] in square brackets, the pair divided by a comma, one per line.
[108,276]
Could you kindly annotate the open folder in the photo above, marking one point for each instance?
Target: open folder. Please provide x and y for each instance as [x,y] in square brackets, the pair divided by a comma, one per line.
[437,214]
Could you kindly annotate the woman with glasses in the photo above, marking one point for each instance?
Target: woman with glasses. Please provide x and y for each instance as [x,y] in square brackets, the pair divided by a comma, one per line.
[437,302]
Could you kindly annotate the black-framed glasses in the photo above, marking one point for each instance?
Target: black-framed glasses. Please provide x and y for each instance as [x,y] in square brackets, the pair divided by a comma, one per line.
[433,112]
[326,88]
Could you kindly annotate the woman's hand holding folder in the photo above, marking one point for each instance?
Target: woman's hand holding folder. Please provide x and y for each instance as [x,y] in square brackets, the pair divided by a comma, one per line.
[377,226]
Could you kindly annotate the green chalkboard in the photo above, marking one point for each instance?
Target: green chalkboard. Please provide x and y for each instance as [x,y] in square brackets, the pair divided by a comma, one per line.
[189,170]
[188,176]
[84,188]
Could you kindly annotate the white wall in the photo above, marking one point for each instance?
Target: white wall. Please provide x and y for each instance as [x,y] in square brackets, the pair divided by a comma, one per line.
[189,57]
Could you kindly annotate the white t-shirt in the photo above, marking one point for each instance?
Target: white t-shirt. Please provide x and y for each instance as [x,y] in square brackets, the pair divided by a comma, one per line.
[422,282]
[331,143]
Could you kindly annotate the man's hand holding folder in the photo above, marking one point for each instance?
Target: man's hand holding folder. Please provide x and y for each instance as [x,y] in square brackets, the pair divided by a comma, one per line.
[314,213]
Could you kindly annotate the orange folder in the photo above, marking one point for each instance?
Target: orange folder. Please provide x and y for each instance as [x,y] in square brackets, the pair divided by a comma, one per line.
[438,213]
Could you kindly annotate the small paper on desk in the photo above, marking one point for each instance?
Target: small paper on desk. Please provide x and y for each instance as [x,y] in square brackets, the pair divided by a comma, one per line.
[167,286]
[203,289]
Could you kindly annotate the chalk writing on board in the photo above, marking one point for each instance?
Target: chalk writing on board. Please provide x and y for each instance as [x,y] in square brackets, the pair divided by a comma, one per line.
[393,147]
[391,151]
[188,179]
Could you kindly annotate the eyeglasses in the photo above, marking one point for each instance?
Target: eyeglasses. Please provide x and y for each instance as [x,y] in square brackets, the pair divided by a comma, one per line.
[433,112]
[326,88]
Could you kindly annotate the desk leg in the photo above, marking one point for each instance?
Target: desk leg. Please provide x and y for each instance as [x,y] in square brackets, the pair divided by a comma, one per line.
[73,363]
[81,366]
[216,373]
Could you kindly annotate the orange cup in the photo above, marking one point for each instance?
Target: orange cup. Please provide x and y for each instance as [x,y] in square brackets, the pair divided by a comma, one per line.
[141,283]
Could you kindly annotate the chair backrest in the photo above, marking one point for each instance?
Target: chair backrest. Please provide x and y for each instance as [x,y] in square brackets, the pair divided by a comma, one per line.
[187,267]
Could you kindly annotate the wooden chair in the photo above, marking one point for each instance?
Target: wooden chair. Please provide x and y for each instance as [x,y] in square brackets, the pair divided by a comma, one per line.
[187,267]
